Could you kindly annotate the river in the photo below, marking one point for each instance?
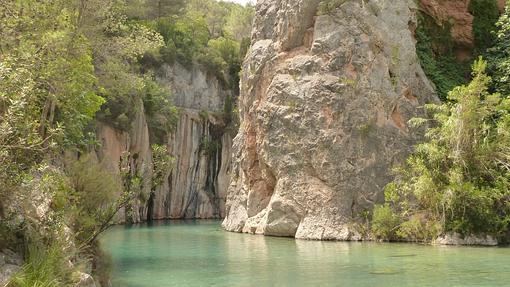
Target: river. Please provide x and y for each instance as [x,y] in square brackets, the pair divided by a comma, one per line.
[200,253]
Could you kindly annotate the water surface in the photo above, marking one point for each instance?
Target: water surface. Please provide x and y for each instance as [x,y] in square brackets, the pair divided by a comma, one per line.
[199,253]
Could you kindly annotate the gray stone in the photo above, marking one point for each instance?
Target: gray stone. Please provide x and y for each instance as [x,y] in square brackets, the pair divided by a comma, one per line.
[11,257]
[193,88]
[324,107]
[6,273]
[458,239]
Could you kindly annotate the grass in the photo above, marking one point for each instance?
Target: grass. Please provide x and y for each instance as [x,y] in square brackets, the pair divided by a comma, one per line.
[44,267]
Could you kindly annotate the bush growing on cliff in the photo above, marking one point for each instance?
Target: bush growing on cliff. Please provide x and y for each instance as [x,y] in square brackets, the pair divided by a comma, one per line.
[91,202]
[434,48]
[459,180]
[161,163]
[499,55]
[162,115]
[486,14]
[384,222]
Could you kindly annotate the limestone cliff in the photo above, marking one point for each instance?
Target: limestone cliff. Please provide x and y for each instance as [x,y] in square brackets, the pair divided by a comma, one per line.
[324,107]
[196,184]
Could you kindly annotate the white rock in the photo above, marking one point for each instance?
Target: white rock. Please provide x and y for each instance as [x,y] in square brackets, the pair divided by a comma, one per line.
[458,239]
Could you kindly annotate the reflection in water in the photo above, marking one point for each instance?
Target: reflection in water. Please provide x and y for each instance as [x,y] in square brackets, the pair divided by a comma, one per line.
[199,253]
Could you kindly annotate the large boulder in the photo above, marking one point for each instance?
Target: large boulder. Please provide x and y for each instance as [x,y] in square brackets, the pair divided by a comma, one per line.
[324,106]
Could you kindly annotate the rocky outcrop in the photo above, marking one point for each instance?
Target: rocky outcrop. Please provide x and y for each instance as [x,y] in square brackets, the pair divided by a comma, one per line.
[193,88]
[458,239]
[324,107]
[196,185]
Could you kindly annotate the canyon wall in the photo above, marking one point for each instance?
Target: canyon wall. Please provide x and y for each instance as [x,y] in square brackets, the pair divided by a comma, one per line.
[195,186]
[324,106]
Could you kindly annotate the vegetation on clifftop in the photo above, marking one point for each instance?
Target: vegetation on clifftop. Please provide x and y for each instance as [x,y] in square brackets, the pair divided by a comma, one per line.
[212,34]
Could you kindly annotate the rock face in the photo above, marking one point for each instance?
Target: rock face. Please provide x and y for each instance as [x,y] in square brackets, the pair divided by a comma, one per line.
[324,107]
[197,183]
[114,144]
[458,239]
[197,186]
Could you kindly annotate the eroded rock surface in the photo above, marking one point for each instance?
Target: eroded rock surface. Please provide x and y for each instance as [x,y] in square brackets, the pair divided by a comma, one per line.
[196,185]
[324,107]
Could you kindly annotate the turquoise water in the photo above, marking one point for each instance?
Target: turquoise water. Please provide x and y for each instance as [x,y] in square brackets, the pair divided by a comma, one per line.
[199,253]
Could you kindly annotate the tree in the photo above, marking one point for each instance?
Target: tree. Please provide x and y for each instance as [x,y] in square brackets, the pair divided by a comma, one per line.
[459,179]
[239,21]
[48,86]
[60,62]
[499,54]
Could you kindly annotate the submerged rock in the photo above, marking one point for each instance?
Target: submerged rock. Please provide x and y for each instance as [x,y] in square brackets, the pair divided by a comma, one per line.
[324,107]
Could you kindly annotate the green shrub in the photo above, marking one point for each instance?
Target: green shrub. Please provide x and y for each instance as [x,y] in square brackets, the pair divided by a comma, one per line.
[419,229]
[161,163]
[162,115]
[486,14]
[94,192]
[45,266]
[435,49]
[459,177]
[499,55]
[384,222]
[209,147]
